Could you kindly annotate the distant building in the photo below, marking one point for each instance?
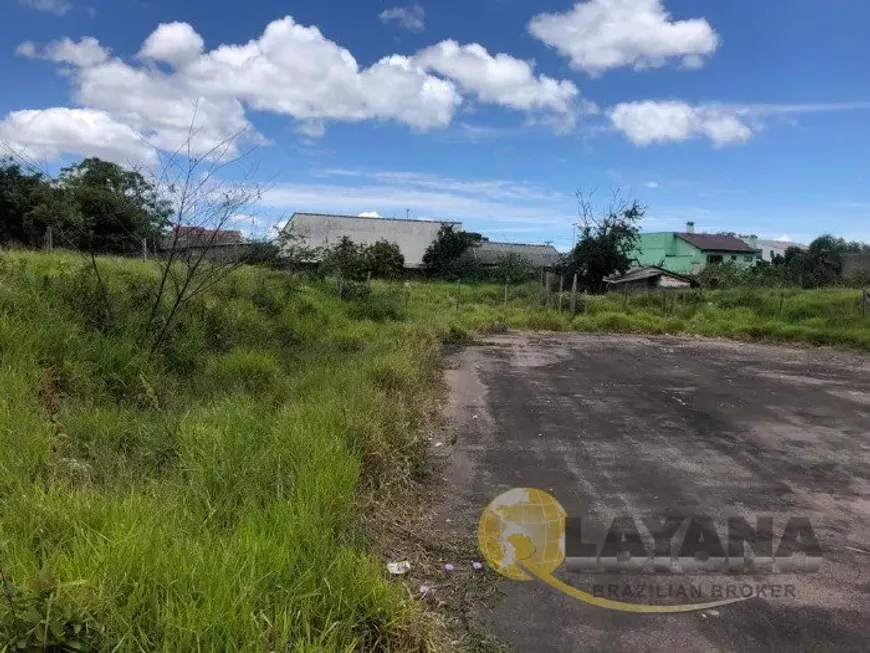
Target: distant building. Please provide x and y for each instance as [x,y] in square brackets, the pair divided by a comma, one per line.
[187,237]
[216,245]
[647,278]
[689,252]
[539,256]
[770,249]
[855,264]
[326,230]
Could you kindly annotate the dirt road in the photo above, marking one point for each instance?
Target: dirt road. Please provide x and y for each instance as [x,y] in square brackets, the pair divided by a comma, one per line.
[616,425]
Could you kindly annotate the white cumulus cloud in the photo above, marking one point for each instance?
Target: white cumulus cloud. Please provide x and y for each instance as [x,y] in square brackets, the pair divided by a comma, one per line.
[649,122]
[49,133]
[172,43]
[499,79]
[83,53]
[369,214]
[411,17]
[294,70]
[175,87]
[598,35]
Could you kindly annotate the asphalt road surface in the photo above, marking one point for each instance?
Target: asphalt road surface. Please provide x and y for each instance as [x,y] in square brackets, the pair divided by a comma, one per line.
[615,425]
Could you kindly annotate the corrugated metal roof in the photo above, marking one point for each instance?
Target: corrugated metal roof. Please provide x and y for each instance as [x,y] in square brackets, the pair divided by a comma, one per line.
[192,237]
[716,242]
[489,253]
[325,230]
[646,272]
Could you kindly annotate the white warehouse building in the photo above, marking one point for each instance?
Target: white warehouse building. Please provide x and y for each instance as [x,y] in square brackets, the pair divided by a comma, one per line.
[326,230]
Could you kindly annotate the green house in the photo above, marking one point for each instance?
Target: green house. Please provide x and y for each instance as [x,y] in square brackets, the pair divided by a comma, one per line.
[689,253]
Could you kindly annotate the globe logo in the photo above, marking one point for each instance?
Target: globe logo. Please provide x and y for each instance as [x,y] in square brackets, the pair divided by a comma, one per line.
[523,525]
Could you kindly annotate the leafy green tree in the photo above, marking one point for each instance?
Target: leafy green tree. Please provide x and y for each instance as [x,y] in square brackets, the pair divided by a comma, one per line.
[118,207]
[17,189]
[295,254]
[347,260]
[29,204]
[450,256]
[261,252]
[822,262]
[384,260]
[513,268]
[604,243]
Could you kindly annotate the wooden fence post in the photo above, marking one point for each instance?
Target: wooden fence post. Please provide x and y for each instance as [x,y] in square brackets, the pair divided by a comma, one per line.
[505,295]
[144,249]
[561,289]
[781,300]
[585,302]
[574,296]
[457,293]
[49,240]
[863,302]
[547,288]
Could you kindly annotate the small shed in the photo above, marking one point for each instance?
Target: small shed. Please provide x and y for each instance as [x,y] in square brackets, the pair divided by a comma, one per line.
[649,277]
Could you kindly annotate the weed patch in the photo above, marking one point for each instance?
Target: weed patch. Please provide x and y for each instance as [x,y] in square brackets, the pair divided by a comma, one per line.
[204,497]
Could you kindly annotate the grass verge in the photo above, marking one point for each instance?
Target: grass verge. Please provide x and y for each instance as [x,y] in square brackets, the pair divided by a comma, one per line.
[206,498]
[828,316]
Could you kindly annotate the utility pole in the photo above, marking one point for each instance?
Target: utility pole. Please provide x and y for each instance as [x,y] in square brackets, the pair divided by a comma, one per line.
[574,226]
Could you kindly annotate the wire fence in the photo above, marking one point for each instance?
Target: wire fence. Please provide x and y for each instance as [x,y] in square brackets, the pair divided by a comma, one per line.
[554,292]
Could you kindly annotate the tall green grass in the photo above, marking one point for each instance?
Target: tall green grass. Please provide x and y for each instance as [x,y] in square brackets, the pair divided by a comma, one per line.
[830,316]
[205,499]
[209,497]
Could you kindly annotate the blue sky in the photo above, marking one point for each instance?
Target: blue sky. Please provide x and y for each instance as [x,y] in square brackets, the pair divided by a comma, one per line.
[743,115]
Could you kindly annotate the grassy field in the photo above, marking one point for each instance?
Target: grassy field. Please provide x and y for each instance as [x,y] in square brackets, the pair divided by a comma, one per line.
[221,495]
[830,316]
[207,499]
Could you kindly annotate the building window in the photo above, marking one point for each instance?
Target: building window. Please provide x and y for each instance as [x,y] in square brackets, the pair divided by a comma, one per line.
[714,258]
[748,259]
[734,257]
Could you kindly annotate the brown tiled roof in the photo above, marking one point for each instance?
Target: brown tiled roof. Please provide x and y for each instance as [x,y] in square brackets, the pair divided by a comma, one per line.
[717,242]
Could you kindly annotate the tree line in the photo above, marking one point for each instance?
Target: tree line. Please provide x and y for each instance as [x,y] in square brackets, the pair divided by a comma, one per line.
[93,206]
[603,248]
[821,264]
[100,207]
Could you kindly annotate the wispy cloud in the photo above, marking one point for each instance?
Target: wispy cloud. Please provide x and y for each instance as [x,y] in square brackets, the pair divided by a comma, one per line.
[57,7]
[793,109]
[474,133]
[411,17]
[502,209]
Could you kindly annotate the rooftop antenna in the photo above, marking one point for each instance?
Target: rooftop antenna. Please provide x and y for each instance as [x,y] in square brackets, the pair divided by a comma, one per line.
[407,213]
